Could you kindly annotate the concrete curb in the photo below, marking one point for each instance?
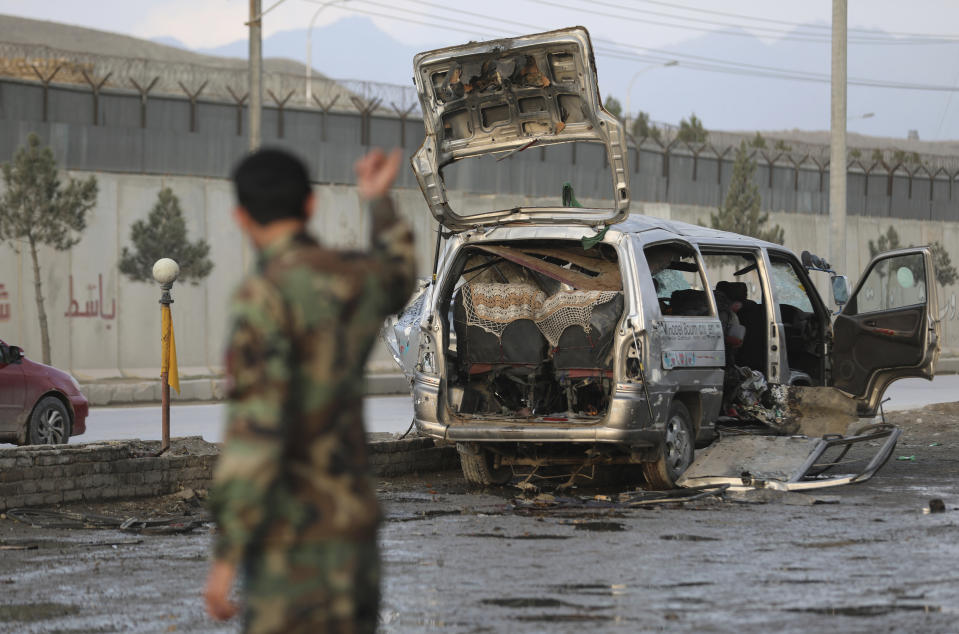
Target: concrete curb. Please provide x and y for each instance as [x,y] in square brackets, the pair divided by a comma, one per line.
[54,474]
[128,391]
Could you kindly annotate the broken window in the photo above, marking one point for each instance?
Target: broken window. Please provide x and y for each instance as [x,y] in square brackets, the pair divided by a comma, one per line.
[802,327]
[678,280]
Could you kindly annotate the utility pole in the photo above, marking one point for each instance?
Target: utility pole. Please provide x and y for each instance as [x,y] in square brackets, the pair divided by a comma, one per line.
[256,74]
[837,159]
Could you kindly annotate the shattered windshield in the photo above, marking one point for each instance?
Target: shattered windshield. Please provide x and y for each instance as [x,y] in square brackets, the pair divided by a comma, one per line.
[787,287]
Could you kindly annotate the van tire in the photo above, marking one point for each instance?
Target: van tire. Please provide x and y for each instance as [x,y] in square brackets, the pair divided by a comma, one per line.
[676,453]
[478,469]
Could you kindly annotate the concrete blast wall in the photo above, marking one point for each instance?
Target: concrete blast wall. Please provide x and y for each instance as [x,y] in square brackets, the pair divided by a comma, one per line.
[103,325]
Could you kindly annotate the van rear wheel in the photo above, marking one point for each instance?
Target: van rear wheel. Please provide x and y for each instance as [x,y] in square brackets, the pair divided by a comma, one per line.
[677,452]
[478,465]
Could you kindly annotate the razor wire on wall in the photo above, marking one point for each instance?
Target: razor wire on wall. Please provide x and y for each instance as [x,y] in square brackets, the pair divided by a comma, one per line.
[188,108]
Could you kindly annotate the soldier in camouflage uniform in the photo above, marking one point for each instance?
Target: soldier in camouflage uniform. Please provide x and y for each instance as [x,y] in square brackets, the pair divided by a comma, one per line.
[294,506]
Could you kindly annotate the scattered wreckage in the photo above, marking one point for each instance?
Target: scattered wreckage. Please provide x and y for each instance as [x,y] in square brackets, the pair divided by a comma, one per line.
[580,336]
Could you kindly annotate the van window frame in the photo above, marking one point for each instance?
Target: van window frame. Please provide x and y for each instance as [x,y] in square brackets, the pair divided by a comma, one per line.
[710,300]
[819,306]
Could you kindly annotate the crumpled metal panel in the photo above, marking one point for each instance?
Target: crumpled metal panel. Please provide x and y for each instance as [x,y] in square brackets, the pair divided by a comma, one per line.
[504,96]
[401,333]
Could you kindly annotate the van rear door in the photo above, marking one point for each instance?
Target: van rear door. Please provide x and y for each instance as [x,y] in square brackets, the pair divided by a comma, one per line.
[889,329]
[504,96]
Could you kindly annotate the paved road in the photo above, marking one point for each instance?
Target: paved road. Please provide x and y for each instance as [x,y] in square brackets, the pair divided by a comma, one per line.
[467,562]
[394,413]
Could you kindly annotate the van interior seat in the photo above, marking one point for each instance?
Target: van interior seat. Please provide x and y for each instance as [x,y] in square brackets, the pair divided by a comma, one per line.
[752,353]
[735,291]
[689,302]
[580,353]
[521,343]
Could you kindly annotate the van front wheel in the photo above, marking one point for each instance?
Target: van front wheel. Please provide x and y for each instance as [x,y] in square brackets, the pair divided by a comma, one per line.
[677,451]
[478,465]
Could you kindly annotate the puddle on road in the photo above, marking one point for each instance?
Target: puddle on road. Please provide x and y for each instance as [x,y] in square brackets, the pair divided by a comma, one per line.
[689,538]
[801,581]
[524,536]
[584,613]
[867,610]
[62,544]
[422,515]
[27,612]
[609,527]
[841,543]
[592,589]
[529,602]
[565,618]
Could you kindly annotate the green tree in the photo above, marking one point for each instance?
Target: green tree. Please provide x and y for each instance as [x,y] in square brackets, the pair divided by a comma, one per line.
[692,131]
[613,106]
[888,241]
[782,146]
[163,235]
[644,129]
[946,272]
[740,211]
[758,142]
[36,209]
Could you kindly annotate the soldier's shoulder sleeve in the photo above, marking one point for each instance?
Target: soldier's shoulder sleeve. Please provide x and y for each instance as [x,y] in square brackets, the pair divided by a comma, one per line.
[259,370]
[391,242]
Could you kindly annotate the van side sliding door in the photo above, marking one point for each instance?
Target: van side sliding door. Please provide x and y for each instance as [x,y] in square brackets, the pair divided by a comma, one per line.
[889,329]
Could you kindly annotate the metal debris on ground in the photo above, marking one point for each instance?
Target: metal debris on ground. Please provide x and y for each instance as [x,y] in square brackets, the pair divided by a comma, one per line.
[629,499]
[793,463]
[42,518]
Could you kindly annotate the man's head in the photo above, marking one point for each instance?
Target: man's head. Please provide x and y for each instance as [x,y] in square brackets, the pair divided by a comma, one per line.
[273,194]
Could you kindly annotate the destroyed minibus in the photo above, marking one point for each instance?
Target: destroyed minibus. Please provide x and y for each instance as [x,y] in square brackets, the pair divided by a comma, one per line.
[581,336]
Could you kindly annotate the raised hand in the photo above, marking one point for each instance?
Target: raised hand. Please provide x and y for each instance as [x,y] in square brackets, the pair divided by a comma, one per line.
[376,172]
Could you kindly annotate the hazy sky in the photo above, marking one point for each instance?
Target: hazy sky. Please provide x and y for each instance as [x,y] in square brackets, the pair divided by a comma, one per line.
[656,24]
[210,23]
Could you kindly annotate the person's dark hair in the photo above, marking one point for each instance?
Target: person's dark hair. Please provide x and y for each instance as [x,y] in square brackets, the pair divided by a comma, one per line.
[272,184]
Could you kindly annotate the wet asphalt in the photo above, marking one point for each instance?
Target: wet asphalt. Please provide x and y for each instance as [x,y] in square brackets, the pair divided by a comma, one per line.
[458,560]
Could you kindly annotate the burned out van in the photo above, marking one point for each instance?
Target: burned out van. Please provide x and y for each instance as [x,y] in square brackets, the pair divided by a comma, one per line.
[580,336]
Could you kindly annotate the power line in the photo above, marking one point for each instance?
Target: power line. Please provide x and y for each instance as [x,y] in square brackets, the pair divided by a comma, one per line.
[629,52]
[739,16]
[768,31]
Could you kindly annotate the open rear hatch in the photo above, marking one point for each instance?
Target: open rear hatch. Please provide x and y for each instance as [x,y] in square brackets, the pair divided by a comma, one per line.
[504,96]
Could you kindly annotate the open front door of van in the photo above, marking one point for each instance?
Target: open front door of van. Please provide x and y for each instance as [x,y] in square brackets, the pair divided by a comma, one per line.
[889,329]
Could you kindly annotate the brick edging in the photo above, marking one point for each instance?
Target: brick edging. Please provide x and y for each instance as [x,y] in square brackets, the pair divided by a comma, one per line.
[43,474]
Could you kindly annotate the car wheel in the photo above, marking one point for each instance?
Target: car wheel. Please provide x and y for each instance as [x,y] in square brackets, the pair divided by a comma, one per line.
[49,423]
[478,466]
[677,452]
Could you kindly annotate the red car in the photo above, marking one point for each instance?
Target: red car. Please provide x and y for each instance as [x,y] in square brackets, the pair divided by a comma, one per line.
[39,405]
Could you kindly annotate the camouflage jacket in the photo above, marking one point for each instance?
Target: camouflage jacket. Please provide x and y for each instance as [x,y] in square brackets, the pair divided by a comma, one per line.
[293,467]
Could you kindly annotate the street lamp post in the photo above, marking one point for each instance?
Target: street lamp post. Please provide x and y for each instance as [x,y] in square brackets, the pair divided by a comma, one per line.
[309,47]
[256,73]
[629,88]
[837,144]
[165,272]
